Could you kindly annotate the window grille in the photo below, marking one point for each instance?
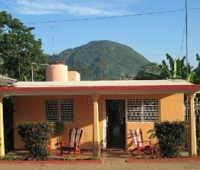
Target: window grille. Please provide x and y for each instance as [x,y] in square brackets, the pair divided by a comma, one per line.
[197,115]
[52,110]
[67,110]
[142,110]
[60,110]
[196,107]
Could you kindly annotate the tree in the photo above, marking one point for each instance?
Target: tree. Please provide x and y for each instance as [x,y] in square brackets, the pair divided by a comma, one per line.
[18,48]
[126,76]
[149,71]
[177,69]
[197,71]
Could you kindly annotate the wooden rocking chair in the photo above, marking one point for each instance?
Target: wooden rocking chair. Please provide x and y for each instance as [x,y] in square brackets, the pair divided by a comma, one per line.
[139,143]
[73,143]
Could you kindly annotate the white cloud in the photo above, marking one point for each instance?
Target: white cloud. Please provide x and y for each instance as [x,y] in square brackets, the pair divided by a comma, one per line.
[73,7]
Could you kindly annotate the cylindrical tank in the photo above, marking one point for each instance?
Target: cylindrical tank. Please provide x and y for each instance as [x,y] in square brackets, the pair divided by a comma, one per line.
[57,71]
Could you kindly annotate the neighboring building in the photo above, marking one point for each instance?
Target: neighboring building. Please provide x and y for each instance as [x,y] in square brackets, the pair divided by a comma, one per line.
[99,106]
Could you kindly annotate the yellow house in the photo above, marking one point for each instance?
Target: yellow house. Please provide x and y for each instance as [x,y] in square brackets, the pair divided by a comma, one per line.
[99,107]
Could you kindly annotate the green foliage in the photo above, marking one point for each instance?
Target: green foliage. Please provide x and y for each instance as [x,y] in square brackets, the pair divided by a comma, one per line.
[150,71]
[177,69]
[102,60]
[171,137]
[36,136]
[69,158]
[197,71]
[19,49]
[89,158]
[59,128]
[9,158]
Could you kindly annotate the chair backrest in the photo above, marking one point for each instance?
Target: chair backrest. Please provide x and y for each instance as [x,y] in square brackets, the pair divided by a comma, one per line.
[136,135]
[75,136]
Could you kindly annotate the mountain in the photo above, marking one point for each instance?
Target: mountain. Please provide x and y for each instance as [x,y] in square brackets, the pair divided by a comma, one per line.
[102,60]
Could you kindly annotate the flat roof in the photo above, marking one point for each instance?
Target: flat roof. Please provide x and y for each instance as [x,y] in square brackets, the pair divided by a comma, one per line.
[102,87]
[103,83]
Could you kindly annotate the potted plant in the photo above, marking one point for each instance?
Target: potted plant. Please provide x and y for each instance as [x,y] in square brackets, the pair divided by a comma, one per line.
[59,130]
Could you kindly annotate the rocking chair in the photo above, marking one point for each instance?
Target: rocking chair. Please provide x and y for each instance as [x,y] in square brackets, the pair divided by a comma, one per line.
[73,143]
[139,143]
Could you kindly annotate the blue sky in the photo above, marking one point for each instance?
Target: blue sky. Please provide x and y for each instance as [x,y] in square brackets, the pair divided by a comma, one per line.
[63,24]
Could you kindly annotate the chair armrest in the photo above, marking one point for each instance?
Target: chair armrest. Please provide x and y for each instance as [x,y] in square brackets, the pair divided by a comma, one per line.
[77,144]
[150,142]
[64,142]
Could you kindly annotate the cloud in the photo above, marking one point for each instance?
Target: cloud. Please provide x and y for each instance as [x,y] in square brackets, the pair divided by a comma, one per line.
[72,7]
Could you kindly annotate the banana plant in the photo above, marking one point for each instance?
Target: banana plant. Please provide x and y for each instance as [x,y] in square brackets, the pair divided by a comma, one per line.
[177,69]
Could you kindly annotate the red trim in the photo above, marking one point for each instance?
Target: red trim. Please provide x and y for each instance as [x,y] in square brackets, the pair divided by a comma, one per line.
[194,88]
[156,160]
[53,162]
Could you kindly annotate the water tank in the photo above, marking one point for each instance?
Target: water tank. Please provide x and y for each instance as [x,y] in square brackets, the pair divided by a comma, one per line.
[57,71]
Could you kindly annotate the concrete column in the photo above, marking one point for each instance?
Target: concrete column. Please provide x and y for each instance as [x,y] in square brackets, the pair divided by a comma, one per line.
[192,124]
[96,134]
[2,145]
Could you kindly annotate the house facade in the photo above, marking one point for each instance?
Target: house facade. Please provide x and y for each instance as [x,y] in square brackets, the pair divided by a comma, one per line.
[100,107]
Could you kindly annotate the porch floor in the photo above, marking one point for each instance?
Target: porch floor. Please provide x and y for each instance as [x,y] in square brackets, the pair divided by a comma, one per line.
[106,155]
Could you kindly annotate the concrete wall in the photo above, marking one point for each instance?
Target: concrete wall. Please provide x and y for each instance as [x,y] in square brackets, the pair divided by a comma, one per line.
[74,76]
[32,108]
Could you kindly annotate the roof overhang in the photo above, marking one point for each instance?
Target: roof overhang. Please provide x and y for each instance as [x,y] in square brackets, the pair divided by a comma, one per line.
[100,87]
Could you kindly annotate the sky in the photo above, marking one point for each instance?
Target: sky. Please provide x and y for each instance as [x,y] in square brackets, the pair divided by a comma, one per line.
[150,27]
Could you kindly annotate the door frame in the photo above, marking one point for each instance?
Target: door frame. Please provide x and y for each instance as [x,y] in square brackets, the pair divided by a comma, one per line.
[105,119]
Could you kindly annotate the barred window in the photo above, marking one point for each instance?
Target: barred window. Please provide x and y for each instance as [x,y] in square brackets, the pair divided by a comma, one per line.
[142,110]
[60,110]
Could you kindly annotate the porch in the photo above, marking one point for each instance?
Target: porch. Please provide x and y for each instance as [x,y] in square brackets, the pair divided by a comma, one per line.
[106,155]
[113,153]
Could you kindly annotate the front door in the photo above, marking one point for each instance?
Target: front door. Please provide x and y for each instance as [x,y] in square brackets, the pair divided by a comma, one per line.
[115,127]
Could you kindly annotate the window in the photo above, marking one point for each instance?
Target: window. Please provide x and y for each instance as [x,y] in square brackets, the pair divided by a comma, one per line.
[60,110]
[142,110]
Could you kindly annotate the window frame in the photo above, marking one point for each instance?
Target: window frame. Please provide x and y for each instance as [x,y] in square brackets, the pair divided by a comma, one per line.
[60,109]
[138,112]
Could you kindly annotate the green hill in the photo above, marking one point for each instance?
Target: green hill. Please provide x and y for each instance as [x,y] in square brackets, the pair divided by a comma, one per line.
[100,60]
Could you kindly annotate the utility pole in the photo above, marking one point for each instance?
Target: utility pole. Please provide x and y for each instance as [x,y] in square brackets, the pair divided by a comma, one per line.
[186,34]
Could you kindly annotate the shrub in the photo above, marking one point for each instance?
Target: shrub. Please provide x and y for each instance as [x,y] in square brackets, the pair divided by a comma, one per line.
[36,136]
[171,137]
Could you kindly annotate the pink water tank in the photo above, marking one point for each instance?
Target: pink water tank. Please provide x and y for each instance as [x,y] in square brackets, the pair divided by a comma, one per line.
[57,71]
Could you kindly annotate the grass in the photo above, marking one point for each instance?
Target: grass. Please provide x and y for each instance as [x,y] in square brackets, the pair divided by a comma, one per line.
[10,158]
[16,158]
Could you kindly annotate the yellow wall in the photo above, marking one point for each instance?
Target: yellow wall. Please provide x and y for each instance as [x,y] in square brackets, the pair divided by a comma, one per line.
[32,108]
[172,107]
